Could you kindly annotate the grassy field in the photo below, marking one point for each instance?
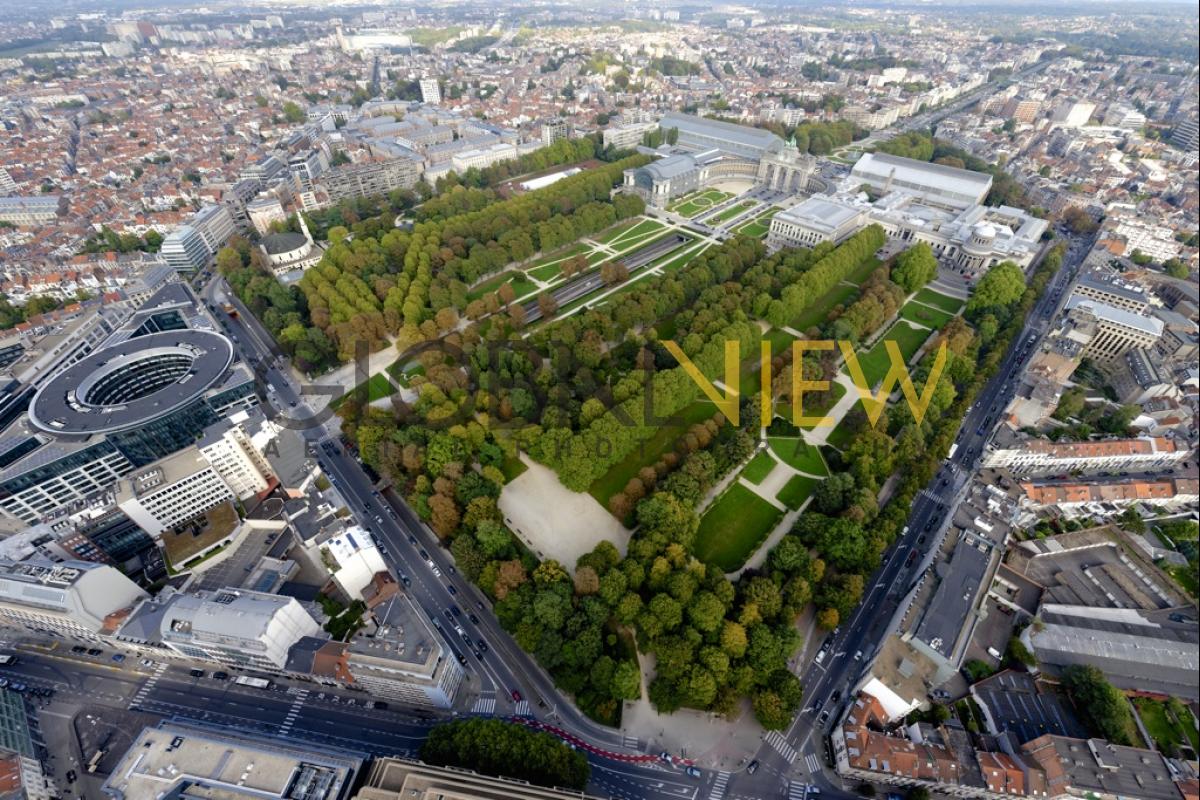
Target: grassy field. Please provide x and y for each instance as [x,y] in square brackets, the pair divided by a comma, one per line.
[798,454]
[863,271]
[546,273]
[650,451]
[1168,732]
[512,467]
[759,468]
[759,226]
[615,231]
[731,212]
[521,284]
[796,491]
[945,303]
[876,362]
[925,315]
[840,436]
[695,205]
[733,527]
[644,228]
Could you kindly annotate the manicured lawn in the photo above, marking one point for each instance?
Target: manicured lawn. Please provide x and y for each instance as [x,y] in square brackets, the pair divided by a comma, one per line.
[798,454]
[545,273]
[925,315]
[1167,732]
[945,303]
[566,252]
[521,284]
[876,362]
[796,491]
[818,311]
[694,206]
[759,226]
[650,451]
[681,261]
[731,212]
[863,271]
[642,228]
[733,527]
[759,468]
[615,231]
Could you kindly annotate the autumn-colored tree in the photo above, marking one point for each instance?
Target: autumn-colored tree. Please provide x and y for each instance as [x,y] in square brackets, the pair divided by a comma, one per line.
[444,516]
[509,576]
[547,304]
[827,619]
[586,581]
[620,506]
[506,293]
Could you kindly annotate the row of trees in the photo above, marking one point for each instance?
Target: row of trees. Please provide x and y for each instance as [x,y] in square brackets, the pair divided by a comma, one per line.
[824,275]
[506,749]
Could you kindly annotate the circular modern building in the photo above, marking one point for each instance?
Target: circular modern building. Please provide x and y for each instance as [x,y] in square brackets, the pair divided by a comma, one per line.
[139,383]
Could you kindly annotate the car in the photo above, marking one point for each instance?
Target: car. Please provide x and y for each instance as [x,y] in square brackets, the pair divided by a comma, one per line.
[478,655]
[221,676]
[821,720]
[450,588]
[196,673]
[461,658]
[433,568]
[474,619]
[78,649]
[752,767]
[71,776]
[817,706]
[665,756]
[425,555]
[412,539]
[381,705]
[483,645]
[3,683]
[516,696]
[118,657]
[95,651]
[145,662]
[693,772]
[449,616]
[833,698]
[479,605]
[407,581]
[455,610]
[858,656]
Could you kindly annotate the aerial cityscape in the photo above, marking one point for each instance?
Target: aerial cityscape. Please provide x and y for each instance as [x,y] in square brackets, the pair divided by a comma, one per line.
[633,401]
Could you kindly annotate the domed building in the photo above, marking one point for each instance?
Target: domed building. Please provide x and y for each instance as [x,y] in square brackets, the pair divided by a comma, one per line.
[290,251]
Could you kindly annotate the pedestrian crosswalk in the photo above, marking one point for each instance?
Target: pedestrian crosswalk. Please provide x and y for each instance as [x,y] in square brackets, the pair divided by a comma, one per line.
[779,742]
[293,712]
[717,792]
[484,705]
[631,742]
[523,709]
[148,686]
[812,762]
[796,790]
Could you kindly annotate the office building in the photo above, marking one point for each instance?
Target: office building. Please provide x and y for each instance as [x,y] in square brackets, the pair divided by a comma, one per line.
[353,561]
[1108,332]
[399,655]
[263,211]
[238,627]
[1186,135]
[267,170]
[234,447]
[1117,295]
[371,180]
[215,225]
[402,779]
[177,760]
[237,197]
[935,184]
[431,92]
[74,599]
[171,491]
[628,135]
[1125,117]
[185,250]
[21,773]
[39,210]
[480,157]
[1042,457]
[555,129]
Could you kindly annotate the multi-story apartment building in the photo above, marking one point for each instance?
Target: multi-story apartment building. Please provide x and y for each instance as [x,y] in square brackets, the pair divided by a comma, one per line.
[628,135]
[1040,457]
[370,180]
[262,211]
[401,779]
[73,599]
[307,166]
[215,225]
[1114,294]
[234,448]
[431,93]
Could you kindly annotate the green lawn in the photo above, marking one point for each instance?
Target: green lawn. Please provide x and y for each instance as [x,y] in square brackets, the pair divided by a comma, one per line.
[680,261]
[733,528]
[863,271]
[642,228]
[759,226]
[759,468]
[696,205]
[945,303]
[798,454]
[1168,732]
[815,314]
[378,387]
[925,315]
[545,273]
[876,362]
[796,491]
[521,284]
[512,467]
[650,451]
[564,253]
[731,212]
[615,231]
[1185,576]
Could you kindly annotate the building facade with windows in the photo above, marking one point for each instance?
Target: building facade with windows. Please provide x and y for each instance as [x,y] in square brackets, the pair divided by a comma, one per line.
[72,599]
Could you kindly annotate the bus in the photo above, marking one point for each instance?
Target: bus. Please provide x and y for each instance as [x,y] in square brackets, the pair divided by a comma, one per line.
[257,683]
